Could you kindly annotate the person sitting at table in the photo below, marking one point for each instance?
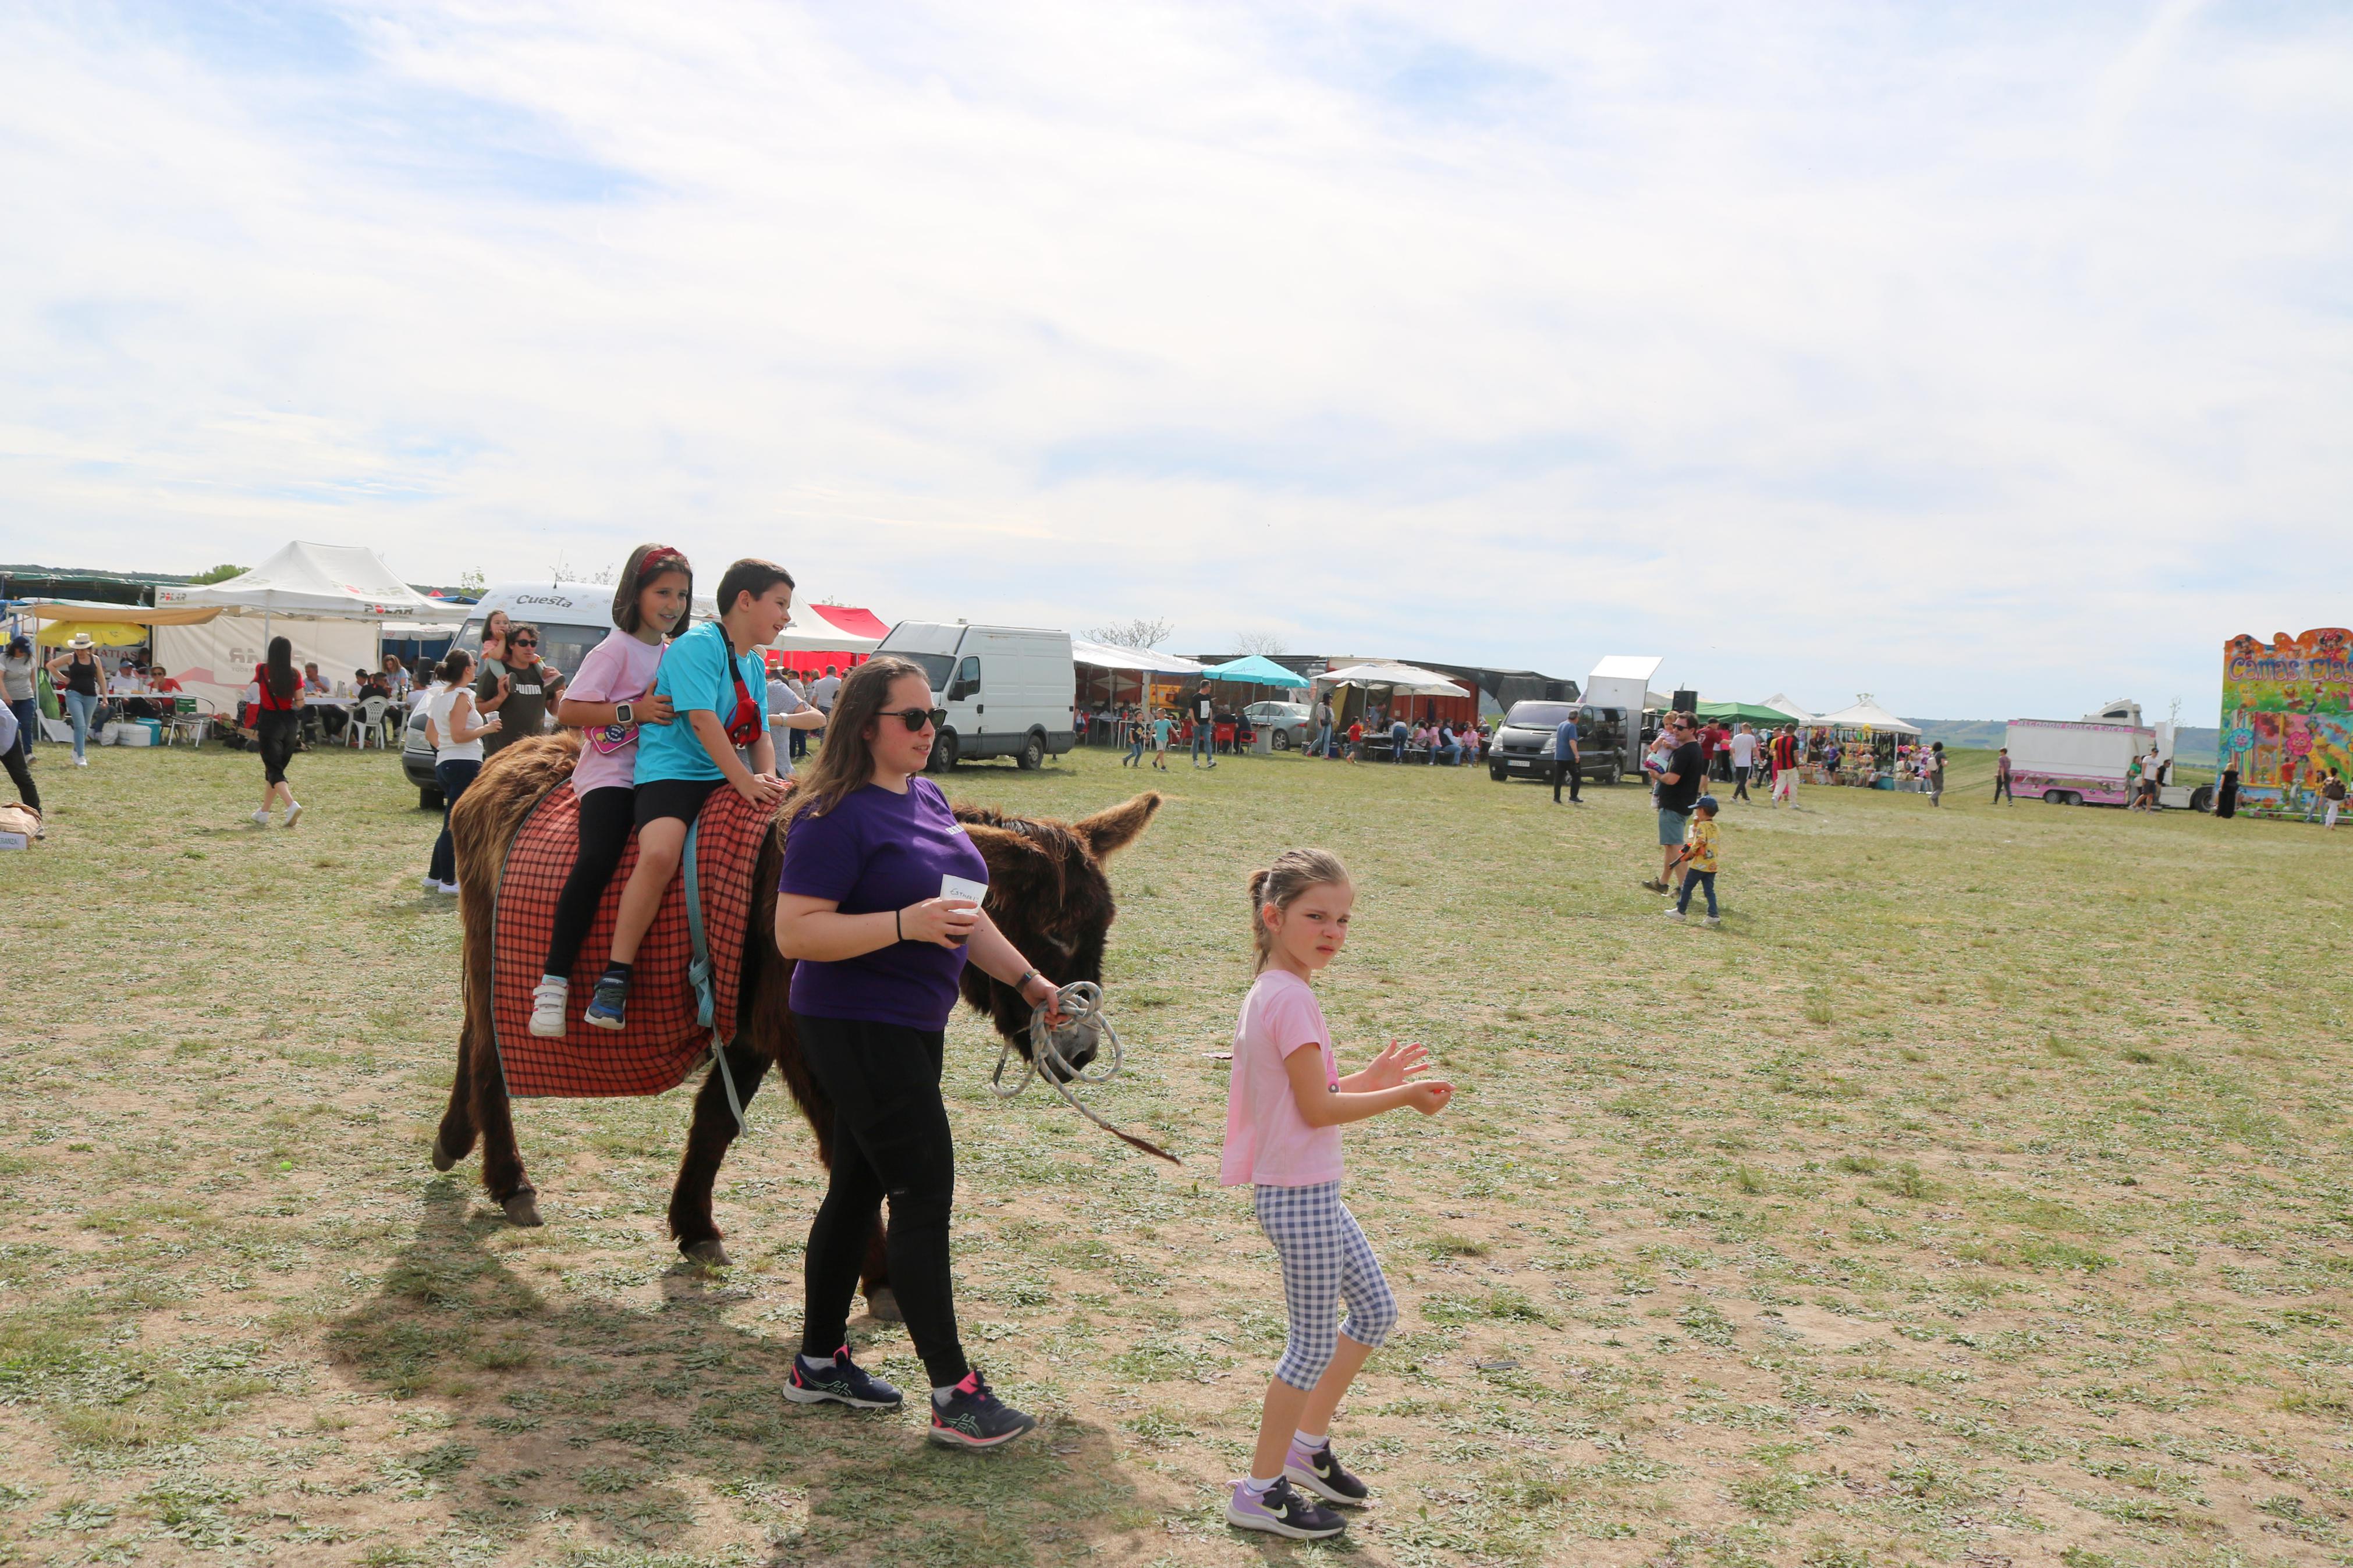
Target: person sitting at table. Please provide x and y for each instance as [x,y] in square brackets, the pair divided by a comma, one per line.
[396,676]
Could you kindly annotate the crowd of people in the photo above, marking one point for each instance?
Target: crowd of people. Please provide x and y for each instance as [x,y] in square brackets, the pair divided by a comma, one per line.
[1208,726]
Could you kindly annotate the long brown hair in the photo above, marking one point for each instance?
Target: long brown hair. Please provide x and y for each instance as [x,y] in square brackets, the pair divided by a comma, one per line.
[1279,885]
[645,563]
[847,761]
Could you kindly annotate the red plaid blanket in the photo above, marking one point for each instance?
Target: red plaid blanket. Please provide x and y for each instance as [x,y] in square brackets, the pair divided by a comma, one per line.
[662,1043]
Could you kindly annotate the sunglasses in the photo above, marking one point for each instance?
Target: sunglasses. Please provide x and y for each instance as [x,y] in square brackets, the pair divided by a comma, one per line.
[524,642]
[918,718]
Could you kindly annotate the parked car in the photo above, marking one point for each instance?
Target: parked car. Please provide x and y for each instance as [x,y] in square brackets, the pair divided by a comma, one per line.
[571,619]
[1007,690]
[1524,741]
[1293,723]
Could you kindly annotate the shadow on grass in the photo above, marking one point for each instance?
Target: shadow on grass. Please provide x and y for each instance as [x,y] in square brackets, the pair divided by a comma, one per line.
[608,1415]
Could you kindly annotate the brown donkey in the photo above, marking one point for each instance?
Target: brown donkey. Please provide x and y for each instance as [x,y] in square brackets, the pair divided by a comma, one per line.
[1047,891]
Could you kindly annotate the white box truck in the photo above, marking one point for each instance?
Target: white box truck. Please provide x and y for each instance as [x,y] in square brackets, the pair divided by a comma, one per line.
[1008,689]
[2086,762]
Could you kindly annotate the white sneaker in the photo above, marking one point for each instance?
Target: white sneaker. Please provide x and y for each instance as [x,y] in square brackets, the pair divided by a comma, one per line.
[1672,913]
[432,883]
[1714,920]
[450,889]
[294,812]
[261,818]
[547,1002]
[81,761]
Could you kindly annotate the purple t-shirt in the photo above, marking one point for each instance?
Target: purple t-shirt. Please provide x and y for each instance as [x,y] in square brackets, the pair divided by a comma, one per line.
[877,850]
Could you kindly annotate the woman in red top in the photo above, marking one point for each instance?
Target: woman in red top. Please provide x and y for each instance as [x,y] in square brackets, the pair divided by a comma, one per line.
[277,719]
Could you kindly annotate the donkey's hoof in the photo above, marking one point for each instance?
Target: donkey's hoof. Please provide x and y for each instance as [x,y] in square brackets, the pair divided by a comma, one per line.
[883,1302]
[442,1158]
[707,1252]
[523,1208]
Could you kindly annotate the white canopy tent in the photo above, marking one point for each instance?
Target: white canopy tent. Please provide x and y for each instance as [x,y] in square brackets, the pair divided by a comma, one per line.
[1408,680]
[1865,713]
[1781,704]
[328,600]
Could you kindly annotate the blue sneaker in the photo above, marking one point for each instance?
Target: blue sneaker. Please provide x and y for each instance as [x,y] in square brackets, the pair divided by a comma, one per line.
[608,1005]
[1281,1511]
[843,1383]
[976,1418]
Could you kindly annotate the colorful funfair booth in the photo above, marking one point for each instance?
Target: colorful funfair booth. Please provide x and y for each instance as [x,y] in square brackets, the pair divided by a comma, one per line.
[2287,718]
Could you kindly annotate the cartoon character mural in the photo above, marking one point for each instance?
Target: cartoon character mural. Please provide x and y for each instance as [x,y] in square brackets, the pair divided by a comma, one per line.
[2287,718]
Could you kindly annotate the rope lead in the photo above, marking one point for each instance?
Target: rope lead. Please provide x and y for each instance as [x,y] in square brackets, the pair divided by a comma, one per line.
[1053,1052]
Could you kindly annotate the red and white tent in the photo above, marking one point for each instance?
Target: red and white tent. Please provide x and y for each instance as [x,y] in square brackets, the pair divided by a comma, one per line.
[821,635]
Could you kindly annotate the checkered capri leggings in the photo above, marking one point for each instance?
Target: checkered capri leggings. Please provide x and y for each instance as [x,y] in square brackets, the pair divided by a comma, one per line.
[1325,1260]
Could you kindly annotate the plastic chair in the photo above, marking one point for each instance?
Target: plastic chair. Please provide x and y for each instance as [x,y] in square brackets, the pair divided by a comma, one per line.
[367,724]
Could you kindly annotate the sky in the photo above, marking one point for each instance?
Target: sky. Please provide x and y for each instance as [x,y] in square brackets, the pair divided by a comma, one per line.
[1995,360]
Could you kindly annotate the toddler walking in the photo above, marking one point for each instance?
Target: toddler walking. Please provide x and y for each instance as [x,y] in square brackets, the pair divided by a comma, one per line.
[1284,1112]
[1698,860]
[1160,729]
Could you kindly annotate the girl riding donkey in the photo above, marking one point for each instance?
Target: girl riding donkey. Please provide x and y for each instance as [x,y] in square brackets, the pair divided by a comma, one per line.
[610,698]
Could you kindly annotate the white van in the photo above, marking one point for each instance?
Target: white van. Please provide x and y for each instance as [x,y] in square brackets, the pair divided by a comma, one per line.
[1008,689]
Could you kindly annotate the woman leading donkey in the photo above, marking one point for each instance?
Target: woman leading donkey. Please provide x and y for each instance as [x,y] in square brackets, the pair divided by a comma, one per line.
[879,901]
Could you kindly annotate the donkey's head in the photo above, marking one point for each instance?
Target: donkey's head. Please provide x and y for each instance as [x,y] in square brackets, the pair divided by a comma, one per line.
[1048,893]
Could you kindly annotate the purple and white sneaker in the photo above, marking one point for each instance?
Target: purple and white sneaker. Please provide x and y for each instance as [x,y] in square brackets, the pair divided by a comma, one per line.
[1321,1472]
[1280,1511]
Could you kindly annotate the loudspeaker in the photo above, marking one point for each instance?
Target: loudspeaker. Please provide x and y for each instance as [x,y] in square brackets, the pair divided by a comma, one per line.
[1686,701]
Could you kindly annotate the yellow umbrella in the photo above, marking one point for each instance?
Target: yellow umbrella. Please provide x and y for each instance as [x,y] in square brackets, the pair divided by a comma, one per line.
[56,634]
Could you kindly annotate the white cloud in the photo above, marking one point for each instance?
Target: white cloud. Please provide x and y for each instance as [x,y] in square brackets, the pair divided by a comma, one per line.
[1992,362]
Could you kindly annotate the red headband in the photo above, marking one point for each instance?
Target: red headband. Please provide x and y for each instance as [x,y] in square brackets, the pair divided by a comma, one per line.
[659,559]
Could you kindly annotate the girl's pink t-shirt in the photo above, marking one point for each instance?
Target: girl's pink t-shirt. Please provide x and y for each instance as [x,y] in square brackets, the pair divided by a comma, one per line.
[619,669]
[1268,1143]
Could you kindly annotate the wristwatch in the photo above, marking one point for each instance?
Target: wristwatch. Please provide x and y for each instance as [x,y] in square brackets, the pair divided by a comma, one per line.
[1027,977]
[624,713]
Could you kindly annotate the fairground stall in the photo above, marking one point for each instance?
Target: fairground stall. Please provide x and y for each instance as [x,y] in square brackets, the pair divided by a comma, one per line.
[842,635]
[2287,712]
[1115,681]
[1871,745]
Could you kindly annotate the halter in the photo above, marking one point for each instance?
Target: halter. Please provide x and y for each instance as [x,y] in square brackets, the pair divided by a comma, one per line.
[1081,1006]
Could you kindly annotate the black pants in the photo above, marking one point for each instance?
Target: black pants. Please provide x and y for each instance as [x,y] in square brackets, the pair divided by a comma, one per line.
[890,1137]
[1568,770]
[279,729]
[453,777]
[2002,788]
[14,759]
[607,816]
[1740,782]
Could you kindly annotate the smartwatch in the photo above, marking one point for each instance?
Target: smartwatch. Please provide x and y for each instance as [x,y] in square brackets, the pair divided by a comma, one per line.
[624,713]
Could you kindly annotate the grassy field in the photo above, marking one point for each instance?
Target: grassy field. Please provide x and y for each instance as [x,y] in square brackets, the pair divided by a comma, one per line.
[1978,1193]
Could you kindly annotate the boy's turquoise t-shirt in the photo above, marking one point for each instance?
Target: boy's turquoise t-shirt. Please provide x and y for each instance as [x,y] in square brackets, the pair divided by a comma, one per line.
[694,678]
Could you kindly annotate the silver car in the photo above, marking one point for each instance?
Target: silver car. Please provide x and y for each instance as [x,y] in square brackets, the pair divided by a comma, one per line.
[1293,723]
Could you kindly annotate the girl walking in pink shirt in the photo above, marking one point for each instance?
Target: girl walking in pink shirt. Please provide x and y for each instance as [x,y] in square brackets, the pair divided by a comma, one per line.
[1284,1112]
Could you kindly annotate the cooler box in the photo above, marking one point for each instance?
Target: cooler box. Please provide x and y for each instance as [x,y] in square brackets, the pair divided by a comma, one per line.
[137,732]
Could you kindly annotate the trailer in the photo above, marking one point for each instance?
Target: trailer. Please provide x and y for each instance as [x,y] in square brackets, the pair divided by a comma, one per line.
[2088,762]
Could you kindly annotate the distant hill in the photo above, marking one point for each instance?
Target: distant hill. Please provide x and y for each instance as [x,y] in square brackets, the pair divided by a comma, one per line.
[1985,735]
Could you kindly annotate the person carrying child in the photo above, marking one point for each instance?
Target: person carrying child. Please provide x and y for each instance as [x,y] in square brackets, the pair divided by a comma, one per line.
[716,684]
[610,699]
[1284,1108]
[1698,860]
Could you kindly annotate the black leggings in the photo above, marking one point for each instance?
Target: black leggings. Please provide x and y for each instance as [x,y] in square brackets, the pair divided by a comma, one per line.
[606,817]
[1740,789]
[279,728]
[14,759]
[890,1136]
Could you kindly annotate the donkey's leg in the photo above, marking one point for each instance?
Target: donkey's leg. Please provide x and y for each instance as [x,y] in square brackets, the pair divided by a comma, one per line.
[454,1138]
[503,1171]
[874,1280]
[707,1139]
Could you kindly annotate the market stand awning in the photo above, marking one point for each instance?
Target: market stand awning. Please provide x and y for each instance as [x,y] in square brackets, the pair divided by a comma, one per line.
[1867,714]
[1130,660]
[1407,677]
[1255,670]
[831,628]
[91,613]
[345,581]
[1754,712]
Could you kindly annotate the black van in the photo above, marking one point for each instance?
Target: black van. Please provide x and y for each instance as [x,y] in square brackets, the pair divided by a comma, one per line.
[1524,741]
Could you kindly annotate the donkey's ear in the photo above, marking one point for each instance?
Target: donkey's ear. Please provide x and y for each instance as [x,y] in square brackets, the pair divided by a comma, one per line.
[1115,828]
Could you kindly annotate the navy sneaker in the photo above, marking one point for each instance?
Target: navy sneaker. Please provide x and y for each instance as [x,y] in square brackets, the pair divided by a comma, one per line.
[843,1383]
[608,1005]
[976,1418]
[1281,1511]
[1321,1472]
